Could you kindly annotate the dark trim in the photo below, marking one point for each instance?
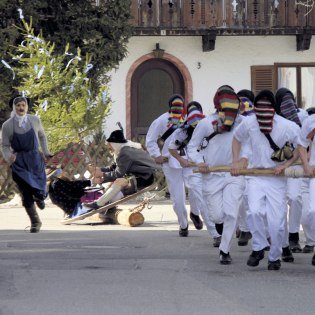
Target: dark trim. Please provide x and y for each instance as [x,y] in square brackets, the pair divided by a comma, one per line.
[303,41]
[208,42]
[158,31]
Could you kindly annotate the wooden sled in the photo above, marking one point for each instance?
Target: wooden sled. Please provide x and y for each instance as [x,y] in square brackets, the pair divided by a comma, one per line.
[105,208]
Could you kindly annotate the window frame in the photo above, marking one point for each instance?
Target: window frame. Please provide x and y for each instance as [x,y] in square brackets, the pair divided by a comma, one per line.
[298,66]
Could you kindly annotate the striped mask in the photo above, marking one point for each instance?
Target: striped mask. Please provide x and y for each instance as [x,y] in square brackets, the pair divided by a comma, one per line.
[265,110]
[227,105]
[288,109]
[176,112]
[194,115]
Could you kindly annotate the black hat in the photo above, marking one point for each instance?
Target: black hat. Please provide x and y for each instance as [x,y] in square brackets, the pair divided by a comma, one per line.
[196,104]
[117,136]
[174,97]
[247,93]
[279,96]
[266,94]
[311,110]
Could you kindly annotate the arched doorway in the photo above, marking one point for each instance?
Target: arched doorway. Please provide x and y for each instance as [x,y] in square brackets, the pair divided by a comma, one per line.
[152,83]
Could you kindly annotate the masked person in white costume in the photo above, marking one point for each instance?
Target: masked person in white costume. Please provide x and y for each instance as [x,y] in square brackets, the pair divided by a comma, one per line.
[193,181]
[211,145]
[267,135]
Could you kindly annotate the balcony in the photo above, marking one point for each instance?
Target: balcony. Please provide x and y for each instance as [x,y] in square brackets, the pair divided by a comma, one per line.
[211,18]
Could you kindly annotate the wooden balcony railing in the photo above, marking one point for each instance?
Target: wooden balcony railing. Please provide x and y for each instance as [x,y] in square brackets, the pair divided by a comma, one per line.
[223,17]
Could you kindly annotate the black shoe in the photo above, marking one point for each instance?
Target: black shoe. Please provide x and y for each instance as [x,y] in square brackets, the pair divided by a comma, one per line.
[40,204]
[244,238]
[274,265]
[294,242]
[225,259]
[219,228]
[237,233]
[295,247]
[91,205]
[287,254]
[35,227]
[196,221]
[313,260]
[183,232]
[217,241]
[308,249]
[255,257]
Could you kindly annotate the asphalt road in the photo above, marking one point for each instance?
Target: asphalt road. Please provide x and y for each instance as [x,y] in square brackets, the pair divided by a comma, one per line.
[112,269]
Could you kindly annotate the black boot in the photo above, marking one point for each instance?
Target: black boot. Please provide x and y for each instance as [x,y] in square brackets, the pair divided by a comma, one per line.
[294,242]
[219,228]
[287,254]
[35,221]
[244,238]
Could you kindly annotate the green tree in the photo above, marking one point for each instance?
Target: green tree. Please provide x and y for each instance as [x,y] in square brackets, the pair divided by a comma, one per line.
[101,31]
[60,89]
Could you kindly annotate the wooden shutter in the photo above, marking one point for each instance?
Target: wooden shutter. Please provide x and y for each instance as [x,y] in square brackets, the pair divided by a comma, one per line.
[263,78]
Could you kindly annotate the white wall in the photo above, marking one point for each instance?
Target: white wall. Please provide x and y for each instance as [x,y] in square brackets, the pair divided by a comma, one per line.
[228,64]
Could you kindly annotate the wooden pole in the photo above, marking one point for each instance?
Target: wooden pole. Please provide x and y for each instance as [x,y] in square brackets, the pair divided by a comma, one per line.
[288,172]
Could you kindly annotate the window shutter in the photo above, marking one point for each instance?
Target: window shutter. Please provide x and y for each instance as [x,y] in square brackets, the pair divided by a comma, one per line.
[263,78]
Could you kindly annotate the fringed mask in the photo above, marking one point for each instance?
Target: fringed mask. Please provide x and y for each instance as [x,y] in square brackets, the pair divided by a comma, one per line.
[176,111]
[227,104]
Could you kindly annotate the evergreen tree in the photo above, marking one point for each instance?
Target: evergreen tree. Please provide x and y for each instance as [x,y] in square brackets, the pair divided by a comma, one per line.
[60,89]
[101,31]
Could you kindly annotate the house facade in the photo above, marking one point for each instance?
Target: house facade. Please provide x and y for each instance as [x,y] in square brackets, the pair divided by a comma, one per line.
[193,47]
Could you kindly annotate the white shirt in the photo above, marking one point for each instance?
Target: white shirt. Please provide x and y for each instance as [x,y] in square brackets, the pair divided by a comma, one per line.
[302,114]
[156,130]
[307,126]
[218,150]
[248,131]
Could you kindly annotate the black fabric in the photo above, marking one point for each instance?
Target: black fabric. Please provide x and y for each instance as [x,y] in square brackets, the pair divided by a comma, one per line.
[117,136]
[27,192]
[271,142]
[311,111]
[66,194]
[167,133]
[182,145]
[247,93]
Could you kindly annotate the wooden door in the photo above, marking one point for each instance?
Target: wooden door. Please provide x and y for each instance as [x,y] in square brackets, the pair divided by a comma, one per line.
[152,84]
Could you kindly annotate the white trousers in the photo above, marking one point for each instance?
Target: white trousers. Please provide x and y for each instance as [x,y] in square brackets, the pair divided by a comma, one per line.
[223,194]
[295,203]
[267,197]
[175,183]
[194,182]
[308,210]
[294,200]
[242,216]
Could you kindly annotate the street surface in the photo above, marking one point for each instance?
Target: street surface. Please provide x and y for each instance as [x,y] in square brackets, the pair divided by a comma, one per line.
[112,269]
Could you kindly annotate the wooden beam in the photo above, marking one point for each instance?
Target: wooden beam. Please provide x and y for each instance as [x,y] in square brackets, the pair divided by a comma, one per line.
[208,42]
[303,41]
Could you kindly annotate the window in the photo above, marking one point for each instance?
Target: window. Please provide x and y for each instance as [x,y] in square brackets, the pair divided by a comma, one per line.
[299,78]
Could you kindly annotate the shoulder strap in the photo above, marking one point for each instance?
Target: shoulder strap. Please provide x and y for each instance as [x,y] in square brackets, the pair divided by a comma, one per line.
[271,142]
[205,141]
[167,133]
[182,145]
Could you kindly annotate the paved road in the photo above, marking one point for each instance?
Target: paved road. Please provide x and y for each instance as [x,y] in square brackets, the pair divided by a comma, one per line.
[112,269]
